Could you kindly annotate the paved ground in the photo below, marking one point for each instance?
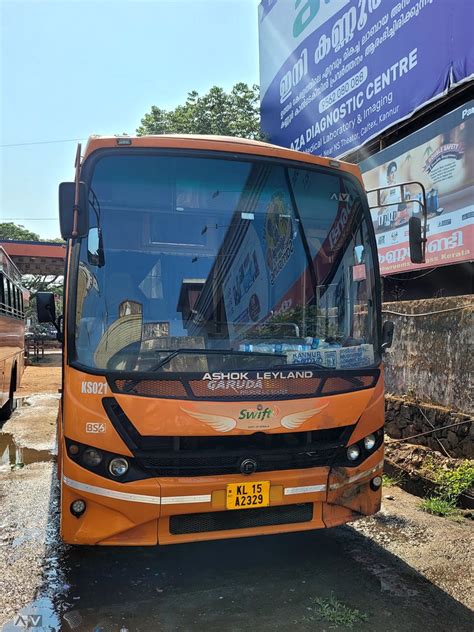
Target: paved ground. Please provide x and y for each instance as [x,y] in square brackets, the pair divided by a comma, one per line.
[403,569]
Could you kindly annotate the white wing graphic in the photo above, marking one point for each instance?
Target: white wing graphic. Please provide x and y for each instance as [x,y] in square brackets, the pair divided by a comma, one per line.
[217,422]
[297,419]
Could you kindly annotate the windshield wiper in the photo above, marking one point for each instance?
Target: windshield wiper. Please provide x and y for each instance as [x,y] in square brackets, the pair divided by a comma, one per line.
[176,352]
[173,353]
[221,352]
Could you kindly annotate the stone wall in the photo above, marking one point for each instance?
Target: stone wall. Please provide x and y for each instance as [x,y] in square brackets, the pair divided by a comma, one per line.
[431,358]
[405,418]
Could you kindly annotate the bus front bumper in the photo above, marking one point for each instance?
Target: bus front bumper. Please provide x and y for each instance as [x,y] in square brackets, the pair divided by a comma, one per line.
[173,510]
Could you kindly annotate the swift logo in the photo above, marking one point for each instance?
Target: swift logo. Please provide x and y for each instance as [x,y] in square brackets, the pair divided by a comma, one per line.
[261,418]
[29,621]
[261,413]
[95,427]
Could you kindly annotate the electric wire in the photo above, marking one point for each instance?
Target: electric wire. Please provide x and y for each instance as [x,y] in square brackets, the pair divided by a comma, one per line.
[440,311]
[413,278]
[26,219]
[421,434]
[43,142]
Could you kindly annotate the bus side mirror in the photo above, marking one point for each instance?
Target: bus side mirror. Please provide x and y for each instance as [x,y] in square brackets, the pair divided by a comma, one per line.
[66,210]
[415,237]
[45,307]
[387,334]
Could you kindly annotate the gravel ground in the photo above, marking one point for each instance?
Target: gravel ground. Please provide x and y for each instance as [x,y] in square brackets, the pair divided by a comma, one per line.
[28,492]
[440,549]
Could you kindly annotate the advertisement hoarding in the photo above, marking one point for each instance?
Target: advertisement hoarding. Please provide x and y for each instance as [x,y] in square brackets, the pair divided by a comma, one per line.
[336,73]
[441,157]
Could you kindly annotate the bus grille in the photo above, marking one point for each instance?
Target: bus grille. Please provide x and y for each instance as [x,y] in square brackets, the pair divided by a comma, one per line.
[212,455]
[240,519]
[251,389]
[202,465]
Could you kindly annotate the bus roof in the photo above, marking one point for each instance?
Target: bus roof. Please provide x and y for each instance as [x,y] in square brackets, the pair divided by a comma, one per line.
[216,143]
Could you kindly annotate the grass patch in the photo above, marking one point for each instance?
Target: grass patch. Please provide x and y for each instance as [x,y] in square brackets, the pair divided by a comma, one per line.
[391,481]
[337,613]
[439,507]
[429,466]
[451,484]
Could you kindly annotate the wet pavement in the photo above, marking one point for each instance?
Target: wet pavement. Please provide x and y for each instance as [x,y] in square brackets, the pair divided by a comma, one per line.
[270,583]
[14,456]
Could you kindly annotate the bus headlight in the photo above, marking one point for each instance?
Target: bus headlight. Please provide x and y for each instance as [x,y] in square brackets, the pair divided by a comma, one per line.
[91,457]
[353,452]
[369,442]
[118,466]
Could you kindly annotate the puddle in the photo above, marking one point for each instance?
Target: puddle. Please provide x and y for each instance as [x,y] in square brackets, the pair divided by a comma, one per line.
[39,614]
[13,456]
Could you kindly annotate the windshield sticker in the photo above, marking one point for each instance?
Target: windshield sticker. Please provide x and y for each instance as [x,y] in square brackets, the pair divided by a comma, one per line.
[260,417]
[245,286]
[278,234]
[338,358]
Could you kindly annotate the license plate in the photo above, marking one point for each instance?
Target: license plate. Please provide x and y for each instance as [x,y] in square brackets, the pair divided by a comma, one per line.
[248,495]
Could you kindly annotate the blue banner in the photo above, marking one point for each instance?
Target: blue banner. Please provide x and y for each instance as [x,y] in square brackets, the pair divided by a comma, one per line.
[336,73]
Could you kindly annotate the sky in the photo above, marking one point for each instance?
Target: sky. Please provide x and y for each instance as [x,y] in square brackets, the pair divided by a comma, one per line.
[72,68]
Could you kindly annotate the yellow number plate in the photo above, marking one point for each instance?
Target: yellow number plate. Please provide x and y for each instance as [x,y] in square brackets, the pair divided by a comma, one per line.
[248,495]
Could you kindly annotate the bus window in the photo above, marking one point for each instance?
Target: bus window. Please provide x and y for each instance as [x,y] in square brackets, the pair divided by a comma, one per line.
[8,302]
[2,294]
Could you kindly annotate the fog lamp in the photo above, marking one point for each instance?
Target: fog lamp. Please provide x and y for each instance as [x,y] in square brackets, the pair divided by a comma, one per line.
[118,466]
[376,482]
[369,441]
[78,507]
[91,457]
[73,449]
[353,452]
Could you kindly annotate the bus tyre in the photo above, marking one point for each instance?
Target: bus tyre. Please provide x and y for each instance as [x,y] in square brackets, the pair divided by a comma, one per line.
[7,409]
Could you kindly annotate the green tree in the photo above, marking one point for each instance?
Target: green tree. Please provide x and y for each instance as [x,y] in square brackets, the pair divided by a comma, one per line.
[35,283]
[9,231]
[234,113]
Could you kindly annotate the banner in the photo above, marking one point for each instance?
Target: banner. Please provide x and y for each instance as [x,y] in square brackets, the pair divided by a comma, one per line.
[336,73]
[441,157]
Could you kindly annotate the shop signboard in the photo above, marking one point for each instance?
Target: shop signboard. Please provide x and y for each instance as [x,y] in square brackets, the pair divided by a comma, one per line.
[441,157]
[336,73]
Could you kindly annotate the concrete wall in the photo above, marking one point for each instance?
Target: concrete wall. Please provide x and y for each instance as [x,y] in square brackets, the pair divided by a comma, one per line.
[431,358]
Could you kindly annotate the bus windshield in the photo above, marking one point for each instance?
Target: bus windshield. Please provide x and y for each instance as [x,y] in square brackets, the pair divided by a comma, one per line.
[208,263]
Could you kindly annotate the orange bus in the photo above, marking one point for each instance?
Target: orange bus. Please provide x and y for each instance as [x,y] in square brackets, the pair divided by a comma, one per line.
[12,333]
[222,342]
